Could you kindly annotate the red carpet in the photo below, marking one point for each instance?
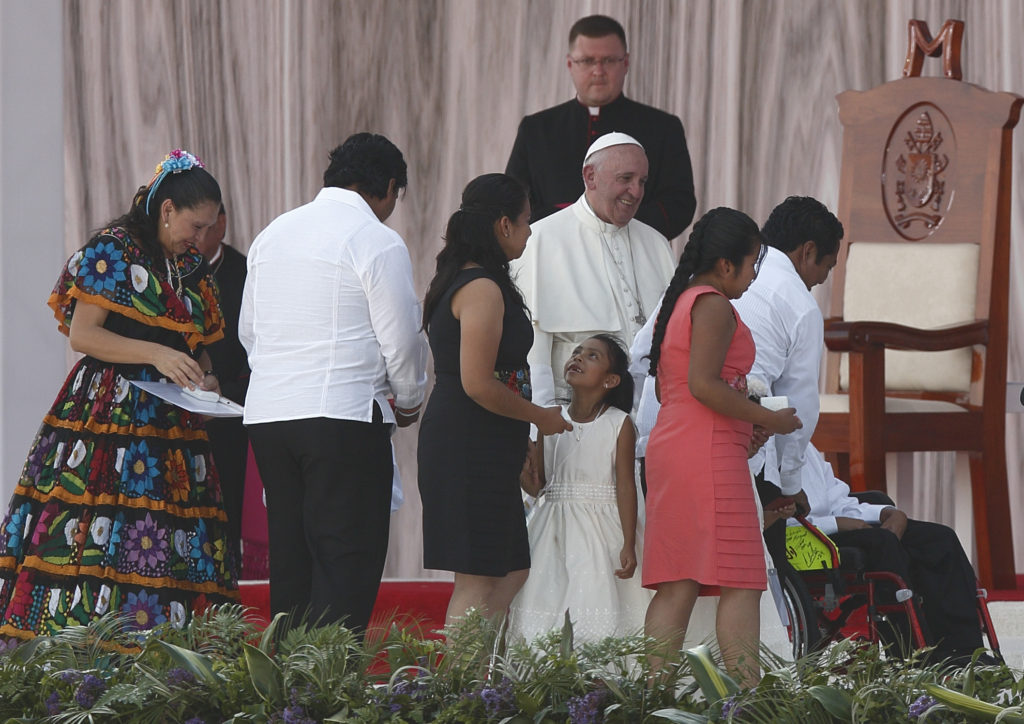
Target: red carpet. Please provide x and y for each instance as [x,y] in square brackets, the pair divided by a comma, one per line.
[417,602]
[424,602]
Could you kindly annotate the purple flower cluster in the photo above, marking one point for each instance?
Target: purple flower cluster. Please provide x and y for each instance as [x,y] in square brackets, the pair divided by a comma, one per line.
[53,704]
[405,693]
[499,701]
[195,720]
[589,708]
[7,646]
[922,704]
[89,690]
[180,677]
[294,714]
[731,707]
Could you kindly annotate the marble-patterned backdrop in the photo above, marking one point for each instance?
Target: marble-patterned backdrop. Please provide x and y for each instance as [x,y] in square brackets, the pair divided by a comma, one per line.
[261,89]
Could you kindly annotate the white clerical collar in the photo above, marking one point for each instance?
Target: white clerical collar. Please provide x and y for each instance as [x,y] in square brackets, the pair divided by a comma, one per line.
[586,214]
[594,110]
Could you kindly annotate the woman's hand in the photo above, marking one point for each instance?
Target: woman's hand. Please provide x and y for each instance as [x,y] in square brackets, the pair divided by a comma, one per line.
[550,421]
[757,440]
[627,559]
[783,422]
[529,476]
[178,367]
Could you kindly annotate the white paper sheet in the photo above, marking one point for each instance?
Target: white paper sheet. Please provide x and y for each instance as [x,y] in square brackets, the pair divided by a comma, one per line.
[170,392]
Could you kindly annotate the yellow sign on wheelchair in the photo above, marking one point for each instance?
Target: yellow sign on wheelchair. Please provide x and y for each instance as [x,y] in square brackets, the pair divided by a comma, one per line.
[809,550]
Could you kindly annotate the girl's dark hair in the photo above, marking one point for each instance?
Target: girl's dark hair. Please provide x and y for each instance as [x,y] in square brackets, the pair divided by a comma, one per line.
[186,190]
[721,233]
[469,237]
[620,396]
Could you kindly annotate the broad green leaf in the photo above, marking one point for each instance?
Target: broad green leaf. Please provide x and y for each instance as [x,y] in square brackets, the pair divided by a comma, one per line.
[714,683]
[339,717]
[614,688]
[196,664]
[836,701]
[969,705]
[266,675]
[24,653]
[267,639]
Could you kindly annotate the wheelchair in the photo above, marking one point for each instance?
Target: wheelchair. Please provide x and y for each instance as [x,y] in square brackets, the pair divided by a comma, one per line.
[839,598]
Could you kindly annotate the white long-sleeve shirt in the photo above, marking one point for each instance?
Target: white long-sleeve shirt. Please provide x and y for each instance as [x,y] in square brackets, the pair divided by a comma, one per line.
[330,318]
[788,332]
[645,399]
[829,497]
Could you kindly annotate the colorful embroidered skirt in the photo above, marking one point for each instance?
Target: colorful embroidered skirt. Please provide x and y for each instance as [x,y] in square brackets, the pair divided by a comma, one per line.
[118,509]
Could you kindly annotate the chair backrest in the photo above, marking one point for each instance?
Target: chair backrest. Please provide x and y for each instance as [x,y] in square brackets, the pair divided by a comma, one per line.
[924,198]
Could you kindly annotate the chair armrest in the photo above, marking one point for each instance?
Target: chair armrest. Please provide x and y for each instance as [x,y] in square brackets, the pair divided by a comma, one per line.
[842,336]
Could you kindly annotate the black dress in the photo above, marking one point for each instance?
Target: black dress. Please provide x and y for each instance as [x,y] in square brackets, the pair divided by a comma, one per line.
[470,458]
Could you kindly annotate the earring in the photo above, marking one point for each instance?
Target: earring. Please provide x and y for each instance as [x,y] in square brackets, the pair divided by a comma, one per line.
[166,225]
[506,234]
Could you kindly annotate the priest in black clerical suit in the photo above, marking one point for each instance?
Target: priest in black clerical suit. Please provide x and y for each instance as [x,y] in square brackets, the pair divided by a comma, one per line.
[228,439]
[548,153]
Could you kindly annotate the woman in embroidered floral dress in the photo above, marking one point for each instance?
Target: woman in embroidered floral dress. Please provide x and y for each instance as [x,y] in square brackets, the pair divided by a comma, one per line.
[118,507]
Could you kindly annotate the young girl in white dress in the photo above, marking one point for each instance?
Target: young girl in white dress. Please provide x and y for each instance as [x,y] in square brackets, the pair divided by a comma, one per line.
[584,545]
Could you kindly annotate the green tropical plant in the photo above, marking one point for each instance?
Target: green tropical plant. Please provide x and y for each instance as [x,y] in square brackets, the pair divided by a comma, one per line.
[223,667]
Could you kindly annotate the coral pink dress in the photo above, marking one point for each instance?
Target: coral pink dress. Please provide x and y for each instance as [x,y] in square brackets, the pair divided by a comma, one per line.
[702,520]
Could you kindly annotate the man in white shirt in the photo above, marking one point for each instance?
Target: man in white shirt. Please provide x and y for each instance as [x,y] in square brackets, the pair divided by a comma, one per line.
[592,267]
[803,245]
[331,322]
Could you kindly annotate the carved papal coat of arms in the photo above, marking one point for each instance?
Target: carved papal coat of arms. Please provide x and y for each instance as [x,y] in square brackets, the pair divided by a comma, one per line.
[914,176]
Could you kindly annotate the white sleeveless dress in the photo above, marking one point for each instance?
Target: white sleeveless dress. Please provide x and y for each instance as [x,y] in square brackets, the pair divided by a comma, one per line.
[575,539]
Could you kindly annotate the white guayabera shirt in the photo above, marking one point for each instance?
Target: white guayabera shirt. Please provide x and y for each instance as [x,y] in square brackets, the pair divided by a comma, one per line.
[789,334]
[330,318]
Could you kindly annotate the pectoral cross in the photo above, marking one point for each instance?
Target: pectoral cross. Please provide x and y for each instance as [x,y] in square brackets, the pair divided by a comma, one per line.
[640,319]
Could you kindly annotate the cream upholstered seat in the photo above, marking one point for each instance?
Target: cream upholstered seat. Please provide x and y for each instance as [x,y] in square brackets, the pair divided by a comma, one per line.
[917,330]
[841,404]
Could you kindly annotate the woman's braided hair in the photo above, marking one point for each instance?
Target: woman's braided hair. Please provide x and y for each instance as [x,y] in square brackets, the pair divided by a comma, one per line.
[721,233]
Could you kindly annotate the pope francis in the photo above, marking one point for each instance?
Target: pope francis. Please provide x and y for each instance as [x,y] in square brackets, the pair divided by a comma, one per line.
[592,267]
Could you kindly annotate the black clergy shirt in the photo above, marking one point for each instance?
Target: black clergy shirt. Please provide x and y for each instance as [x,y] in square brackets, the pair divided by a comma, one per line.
[548,158]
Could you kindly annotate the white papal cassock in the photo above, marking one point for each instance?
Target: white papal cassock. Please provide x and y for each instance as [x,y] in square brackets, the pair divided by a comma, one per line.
[581,276]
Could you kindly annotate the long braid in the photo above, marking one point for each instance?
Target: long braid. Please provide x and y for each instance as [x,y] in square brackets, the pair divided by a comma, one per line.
[721,233]
[689,263]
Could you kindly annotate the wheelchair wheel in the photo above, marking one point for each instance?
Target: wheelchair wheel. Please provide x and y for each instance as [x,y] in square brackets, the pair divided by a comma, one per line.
[804,632]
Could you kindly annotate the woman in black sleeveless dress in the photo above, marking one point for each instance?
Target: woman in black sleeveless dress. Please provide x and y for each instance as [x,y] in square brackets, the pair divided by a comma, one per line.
[474,433]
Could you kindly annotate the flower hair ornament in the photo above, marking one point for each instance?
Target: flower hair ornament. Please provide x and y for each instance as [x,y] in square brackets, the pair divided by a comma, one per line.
[174,162]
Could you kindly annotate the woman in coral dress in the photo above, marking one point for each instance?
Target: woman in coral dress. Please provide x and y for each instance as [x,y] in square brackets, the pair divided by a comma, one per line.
[702,521]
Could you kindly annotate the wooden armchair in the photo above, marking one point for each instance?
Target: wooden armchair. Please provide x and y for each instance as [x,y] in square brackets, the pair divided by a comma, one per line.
[917,334]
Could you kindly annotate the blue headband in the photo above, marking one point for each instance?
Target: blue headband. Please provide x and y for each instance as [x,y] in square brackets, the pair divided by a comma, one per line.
[174,162]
